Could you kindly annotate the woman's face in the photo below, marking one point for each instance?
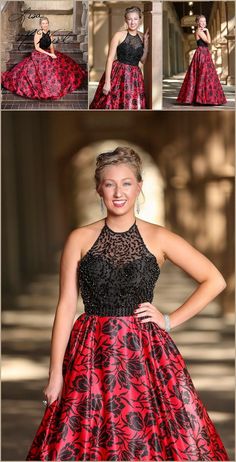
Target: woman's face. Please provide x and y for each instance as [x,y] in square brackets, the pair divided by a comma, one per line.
[119,189]
[133,21]
[202,22]
[44,24]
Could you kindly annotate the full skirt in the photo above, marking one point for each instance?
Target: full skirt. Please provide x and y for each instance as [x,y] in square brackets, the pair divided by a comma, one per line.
[201,84]
[127,89]
[127,395]
[39,76]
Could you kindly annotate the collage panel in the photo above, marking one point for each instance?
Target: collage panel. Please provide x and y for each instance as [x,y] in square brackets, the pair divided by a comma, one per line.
[118,230]
[131,392]
[125,55]
[44,55]
[199,55]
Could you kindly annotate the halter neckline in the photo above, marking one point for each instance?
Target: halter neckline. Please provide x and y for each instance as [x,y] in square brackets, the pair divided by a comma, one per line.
[120,232]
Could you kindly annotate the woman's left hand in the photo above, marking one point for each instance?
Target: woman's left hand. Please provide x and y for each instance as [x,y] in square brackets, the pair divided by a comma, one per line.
[154,315]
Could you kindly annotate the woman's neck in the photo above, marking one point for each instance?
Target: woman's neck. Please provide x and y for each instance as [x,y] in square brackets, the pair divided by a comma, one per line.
[120,223]
[135,33]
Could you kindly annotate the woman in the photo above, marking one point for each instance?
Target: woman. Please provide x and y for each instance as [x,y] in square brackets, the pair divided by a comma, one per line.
[122,85]
[118,387]
[46,73]
[201,84]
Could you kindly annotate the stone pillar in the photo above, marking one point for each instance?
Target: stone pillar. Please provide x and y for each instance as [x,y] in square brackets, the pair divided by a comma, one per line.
[12,278]
[82,36]
[172,50]
[166,46]
[99,34]
[153,66]
[11,26]
[230,13]
[77,13]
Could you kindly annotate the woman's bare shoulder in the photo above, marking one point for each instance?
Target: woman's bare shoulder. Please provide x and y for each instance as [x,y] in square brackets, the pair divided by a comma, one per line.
[86,231]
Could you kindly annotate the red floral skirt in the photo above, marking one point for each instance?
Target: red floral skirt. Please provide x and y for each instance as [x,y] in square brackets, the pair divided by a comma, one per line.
[201,84]
[127,395]
[127,89]
[39,76]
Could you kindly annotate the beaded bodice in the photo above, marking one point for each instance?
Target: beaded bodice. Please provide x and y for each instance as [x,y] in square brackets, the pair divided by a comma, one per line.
[201,43]
[130,51]
[45,40]
[117,273]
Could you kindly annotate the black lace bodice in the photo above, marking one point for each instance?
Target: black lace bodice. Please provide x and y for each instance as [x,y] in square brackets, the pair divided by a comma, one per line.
[117,273]
[201,43]
[45,40]
[130,51]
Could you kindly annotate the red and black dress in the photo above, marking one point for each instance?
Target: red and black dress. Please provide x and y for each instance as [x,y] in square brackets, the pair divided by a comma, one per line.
[127,394]
[127,84]
[201,84]
[39,76]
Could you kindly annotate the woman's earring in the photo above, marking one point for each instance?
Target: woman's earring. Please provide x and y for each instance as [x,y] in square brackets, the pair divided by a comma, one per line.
[138,207]
[101,205]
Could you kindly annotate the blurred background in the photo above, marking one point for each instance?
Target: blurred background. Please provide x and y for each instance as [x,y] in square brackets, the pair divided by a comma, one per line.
[179,45]
[48,162]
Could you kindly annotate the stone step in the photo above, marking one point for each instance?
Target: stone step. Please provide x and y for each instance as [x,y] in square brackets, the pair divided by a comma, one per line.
[81,94]
[61,46]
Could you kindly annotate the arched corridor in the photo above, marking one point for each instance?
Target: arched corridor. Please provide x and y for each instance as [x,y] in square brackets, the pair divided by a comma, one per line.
[179,45]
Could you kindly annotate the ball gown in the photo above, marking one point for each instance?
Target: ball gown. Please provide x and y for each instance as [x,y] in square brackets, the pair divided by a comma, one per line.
[127,394]
[127,84]
[201,84]
[39,76]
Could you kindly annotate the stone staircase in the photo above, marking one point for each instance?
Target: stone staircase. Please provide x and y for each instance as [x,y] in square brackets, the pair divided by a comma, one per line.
[65,42]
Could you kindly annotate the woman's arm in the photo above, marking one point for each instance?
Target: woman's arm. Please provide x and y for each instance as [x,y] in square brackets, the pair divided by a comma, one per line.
[204,36]
[196,265]
[145,50]
[110,58]
[65,314]
[52,46]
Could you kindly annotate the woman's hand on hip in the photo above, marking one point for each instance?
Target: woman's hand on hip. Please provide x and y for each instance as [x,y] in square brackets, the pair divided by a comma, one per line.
[154,315]
[53,55]
[53,389]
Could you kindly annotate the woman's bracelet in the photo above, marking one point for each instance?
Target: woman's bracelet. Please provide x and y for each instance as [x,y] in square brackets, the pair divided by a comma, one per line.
[167,322]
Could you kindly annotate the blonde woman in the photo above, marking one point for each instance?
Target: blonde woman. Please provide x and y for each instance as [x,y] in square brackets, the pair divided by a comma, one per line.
[201,84]
[46,73]
[118,387]
[122,85]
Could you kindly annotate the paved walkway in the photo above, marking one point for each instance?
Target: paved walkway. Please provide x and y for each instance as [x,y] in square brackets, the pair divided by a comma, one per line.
[171,88]
[205,342]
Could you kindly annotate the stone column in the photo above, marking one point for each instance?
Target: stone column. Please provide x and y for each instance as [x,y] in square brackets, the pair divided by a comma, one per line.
[153,67]
[166,46]
[99,39]
[83,36]
[230,13]
[10,28]
[172,50]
